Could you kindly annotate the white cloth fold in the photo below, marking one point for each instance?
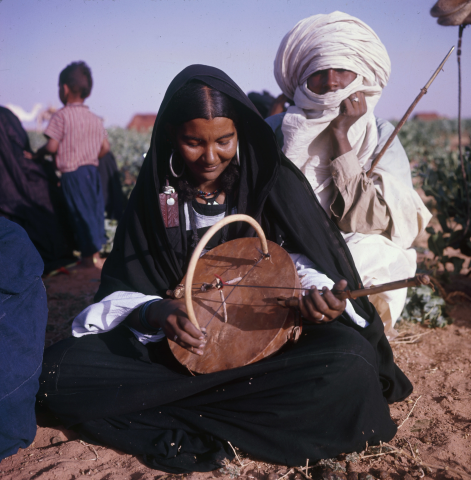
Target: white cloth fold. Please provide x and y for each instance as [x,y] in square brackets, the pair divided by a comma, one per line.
[103,316]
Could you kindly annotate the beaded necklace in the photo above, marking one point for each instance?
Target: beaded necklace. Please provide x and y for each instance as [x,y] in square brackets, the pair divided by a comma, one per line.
[206,195]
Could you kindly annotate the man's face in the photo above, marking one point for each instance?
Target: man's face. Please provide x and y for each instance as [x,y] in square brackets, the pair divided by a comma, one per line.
[331,80]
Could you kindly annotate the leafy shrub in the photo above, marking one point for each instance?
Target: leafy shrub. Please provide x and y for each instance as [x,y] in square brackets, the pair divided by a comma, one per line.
[431,148]
[425,141]
[442,179]
[425,306]
[129,148]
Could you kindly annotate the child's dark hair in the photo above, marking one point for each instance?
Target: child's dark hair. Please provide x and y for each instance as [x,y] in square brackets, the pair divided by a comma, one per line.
[78,77]
[197,100]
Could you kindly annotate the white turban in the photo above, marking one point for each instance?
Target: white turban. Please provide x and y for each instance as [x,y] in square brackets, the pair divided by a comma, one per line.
[336,40]
[321,42]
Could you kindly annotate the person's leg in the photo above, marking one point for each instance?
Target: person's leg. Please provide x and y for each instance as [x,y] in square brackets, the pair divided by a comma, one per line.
[84,198]
[319,398]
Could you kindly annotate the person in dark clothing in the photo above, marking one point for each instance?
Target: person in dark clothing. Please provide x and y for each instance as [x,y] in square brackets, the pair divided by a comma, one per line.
[268,105]
[111,187]
[30,195]
[116,380]
[23,318]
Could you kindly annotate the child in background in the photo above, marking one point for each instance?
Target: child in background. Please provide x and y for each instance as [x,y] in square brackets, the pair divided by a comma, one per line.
[78,139]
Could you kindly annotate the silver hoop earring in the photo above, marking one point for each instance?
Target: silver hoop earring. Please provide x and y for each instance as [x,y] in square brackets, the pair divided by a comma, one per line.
[237,154]
[171,168]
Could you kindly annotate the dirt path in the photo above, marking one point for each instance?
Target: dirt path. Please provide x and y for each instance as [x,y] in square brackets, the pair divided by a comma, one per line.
[436,432]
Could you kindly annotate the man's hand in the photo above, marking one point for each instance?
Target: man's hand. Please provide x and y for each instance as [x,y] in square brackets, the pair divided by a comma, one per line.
[350,111]
[323,308]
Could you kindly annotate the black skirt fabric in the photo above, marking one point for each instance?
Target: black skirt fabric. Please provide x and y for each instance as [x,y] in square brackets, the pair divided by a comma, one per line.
[317,399]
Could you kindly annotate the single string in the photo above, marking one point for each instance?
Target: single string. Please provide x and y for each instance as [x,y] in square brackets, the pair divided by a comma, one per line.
[255,286]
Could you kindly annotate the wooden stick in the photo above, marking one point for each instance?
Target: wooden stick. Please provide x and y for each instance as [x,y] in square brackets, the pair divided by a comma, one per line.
[363,292]
[423,91]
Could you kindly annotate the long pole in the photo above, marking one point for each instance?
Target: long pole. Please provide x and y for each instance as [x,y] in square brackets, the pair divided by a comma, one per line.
[423,91]
[463,170]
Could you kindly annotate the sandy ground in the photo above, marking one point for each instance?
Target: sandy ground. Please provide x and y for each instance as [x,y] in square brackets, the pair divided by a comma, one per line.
[435,422]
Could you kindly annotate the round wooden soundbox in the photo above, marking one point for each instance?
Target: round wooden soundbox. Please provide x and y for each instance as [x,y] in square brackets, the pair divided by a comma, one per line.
[243,325]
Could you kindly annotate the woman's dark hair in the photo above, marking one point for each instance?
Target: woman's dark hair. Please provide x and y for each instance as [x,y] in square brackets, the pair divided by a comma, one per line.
[197,100]
[78,77]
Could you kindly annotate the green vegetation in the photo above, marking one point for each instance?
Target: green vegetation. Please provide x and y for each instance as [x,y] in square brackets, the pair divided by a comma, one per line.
[425,306]
[129,148]
[432,150]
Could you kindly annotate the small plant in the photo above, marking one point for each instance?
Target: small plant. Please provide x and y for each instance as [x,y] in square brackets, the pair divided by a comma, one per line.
[352,457]
[331,463]
[232,470]
[426,307]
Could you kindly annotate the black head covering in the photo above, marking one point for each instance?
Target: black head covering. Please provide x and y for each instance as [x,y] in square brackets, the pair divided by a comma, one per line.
[149,258]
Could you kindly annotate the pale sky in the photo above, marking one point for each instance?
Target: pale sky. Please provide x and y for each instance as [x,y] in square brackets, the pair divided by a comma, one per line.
[136,47]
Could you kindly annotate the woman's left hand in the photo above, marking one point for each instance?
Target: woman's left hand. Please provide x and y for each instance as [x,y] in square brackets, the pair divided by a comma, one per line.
[323,308]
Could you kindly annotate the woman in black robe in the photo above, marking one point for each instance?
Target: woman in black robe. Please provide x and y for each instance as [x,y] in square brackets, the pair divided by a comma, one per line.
[30,196]
[326,395]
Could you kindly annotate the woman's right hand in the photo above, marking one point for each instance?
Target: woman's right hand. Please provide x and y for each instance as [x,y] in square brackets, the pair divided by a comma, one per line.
[171,317]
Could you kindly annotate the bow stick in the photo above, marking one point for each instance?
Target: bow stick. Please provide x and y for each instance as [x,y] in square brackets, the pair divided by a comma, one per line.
[219,283]
[363,292]
[423,91]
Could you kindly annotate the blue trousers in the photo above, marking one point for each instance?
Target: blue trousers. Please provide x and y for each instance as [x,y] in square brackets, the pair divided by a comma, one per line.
[85,203]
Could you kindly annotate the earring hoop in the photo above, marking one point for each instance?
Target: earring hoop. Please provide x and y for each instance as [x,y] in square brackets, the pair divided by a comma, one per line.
[237,154]
[171,168]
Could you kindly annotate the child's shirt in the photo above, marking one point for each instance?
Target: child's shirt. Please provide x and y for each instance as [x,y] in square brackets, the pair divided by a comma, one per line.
[80,134]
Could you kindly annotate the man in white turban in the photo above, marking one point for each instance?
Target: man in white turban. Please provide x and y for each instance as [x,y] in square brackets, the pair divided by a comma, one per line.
[334,68]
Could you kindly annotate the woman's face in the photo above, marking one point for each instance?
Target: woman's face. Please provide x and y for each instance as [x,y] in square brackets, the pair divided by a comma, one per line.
[206,146]
[331,80]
